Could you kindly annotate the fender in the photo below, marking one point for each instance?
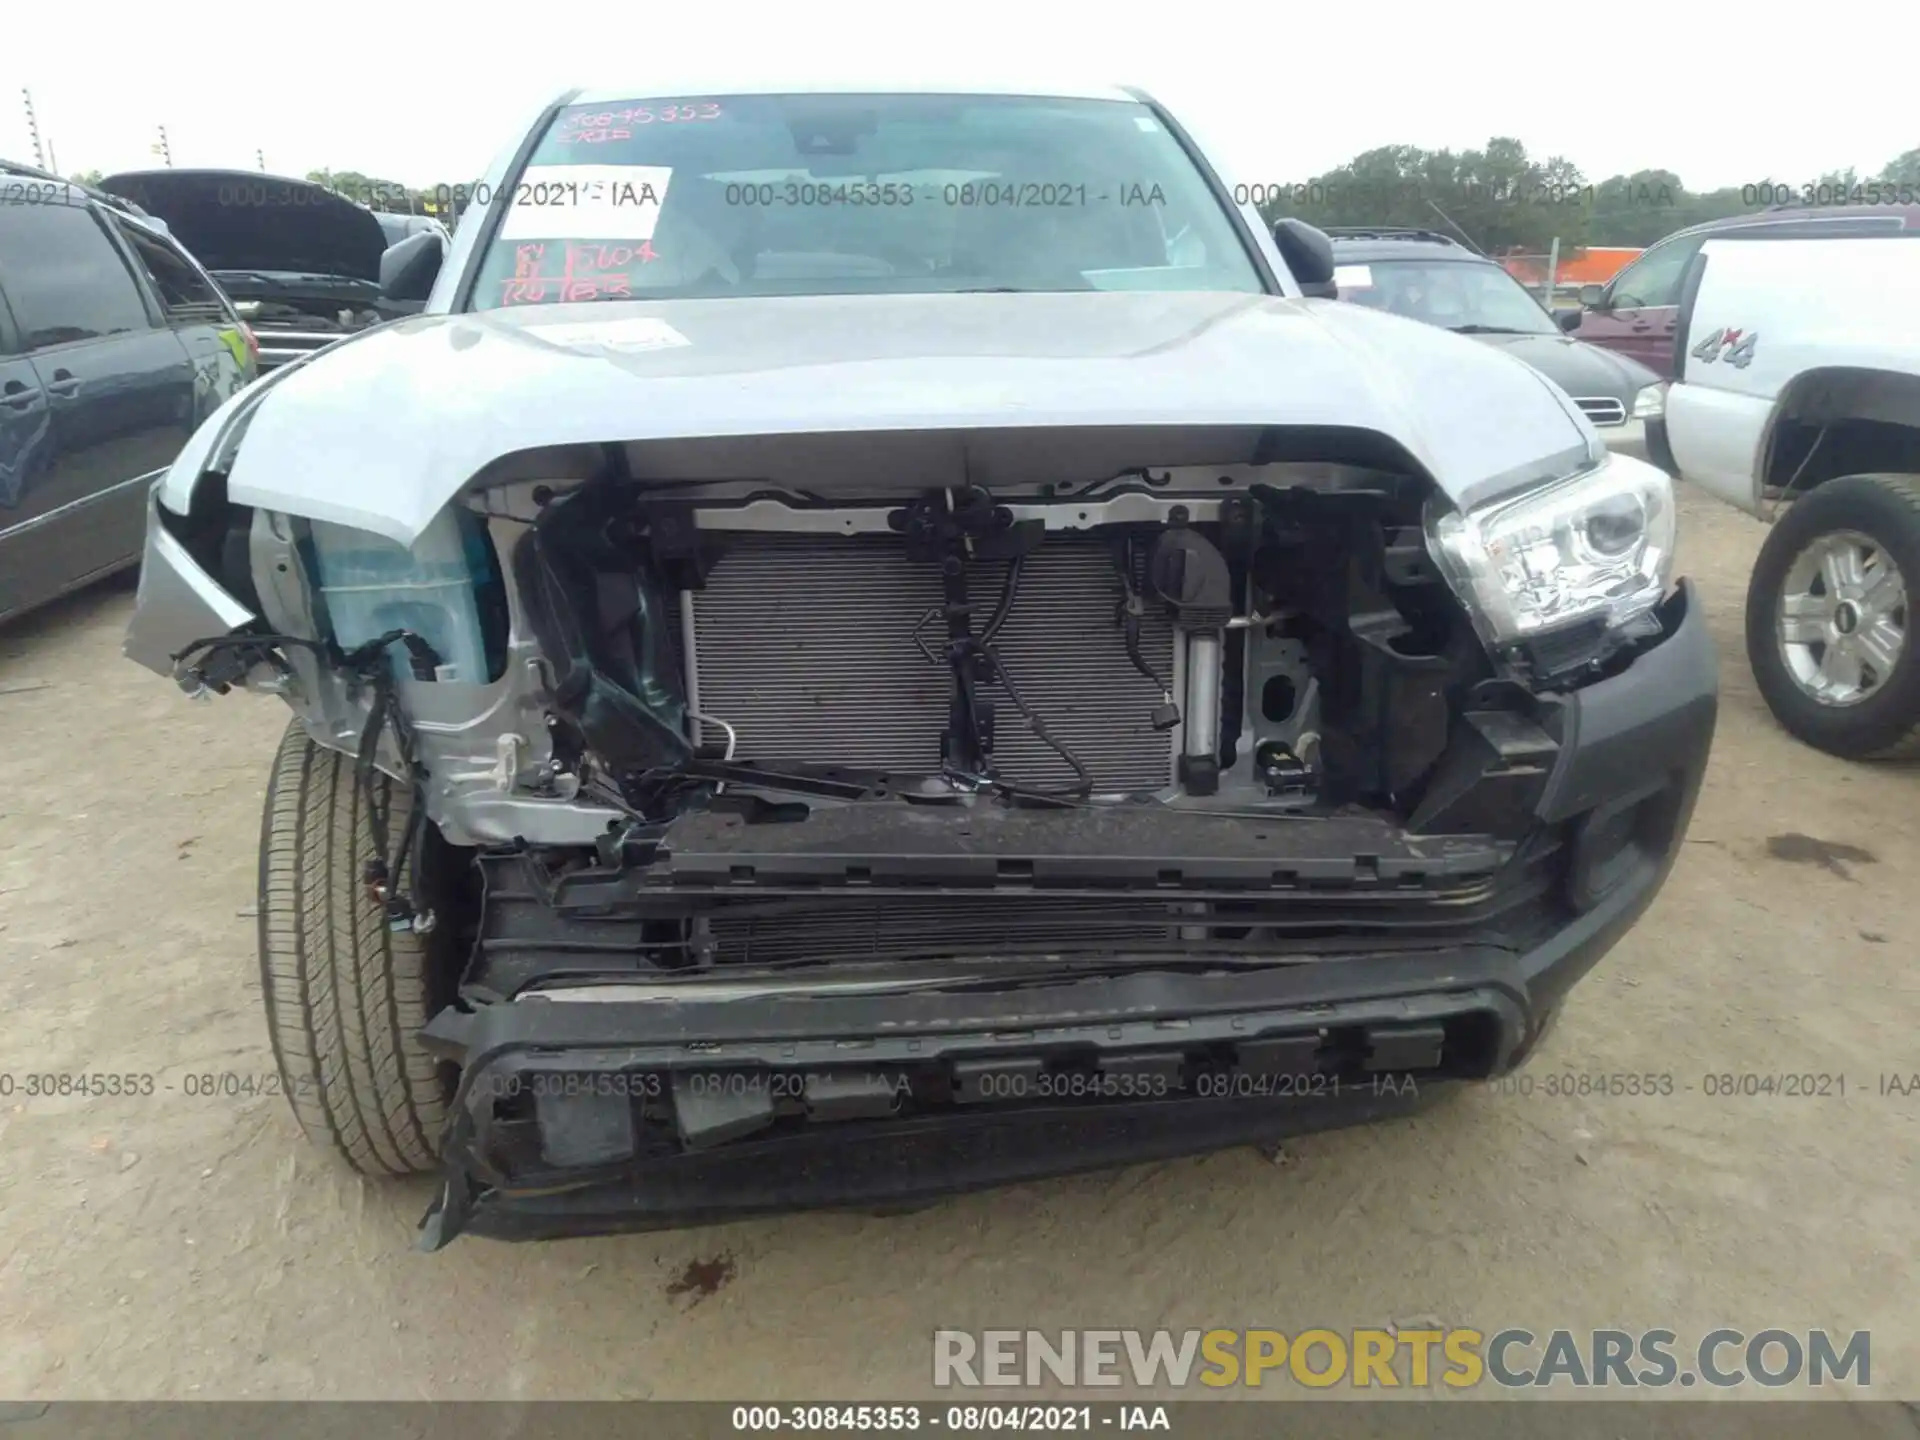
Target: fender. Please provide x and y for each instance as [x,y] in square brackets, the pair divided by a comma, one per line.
[1800,327]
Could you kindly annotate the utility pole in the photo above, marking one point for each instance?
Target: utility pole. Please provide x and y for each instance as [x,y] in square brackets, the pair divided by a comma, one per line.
[261,156]
[33,129]
[162,149]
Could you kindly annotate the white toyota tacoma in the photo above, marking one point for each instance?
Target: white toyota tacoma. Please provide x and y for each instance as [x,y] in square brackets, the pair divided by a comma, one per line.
[1799,380]
[872,642]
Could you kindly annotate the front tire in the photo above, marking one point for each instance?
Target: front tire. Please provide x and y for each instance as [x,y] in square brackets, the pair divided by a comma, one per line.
[345,996]
[1828,632]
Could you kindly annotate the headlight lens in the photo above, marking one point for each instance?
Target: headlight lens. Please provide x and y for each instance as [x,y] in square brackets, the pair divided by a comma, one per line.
[1596,545]
[1650,401]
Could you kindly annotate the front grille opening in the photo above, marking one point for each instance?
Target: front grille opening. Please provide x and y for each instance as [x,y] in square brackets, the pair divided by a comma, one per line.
[907,928]
[537,933]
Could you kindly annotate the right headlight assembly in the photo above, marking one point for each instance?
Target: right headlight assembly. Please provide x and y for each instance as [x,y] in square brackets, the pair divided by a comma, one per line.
[1596,546]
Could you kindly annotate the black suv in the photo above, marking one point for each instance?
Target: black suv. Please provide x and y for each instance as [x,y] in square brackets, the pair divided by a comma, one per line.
[1425,275]
[114,346]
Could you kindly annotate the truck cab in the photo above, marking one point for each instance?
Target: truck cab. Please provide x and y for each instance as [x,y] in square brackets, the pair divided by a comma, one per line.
[1798,396]
[1635,313]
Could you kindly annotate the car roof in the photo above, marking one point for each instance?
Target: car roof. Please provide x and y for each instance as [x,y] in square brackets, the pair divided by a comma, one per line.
[869,85]
[1908,215]
[1361,245]
[76,192]
[45,186]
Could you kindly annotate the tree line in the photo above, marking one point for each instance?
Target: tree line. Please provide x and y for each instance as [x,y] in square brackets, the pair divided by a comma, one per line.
[1505,200]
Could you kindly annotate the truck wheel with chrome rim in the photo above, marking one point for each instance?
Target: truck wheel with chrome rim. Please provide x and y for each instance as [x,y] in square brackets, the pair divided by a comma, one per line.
[1828,625]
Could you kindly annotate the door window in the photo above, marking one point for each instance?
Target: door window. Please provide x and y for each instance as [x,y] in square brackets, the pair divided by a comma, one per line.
[63,276]
[187,295]
[1654,279]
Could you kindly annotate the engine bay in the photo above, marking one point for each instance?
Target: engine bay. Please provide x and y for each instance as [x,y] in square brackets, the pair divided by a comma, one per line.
[1266,649]
[957,728]
[669,730]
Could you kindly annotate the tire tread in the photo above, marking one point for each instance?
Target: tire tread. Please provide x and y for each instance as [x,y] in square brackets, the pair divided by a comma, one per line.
[1905,488]
[344,995]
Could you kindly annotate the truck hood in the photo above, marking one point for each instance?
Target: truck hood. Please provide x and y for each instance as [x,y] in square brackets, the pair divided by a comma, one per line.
[380,431]
[238,220]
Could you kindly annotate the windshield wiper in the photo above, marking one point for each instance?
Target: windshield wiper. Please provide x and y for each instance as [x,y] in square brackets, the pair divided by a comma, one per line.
[1492,330]
[332,277]
[280,280]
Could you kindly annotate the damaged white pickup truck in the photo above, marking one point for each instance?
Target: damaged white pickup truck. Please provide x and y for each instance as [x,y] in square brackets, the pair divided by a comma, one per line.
[873,643]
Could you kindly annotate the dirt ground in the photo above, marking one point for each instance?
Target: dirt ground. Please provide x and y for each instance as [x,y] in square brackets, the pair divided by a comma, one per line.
[186,1246]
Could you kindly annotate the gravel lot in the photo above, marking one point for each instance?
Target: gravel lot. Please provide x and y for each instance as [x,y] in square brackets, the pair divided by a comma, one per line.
[176,1246]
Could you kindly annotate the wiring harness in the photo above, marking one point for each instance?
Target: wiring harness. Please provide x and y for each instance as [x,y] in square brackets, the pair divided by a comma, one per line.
[218,663]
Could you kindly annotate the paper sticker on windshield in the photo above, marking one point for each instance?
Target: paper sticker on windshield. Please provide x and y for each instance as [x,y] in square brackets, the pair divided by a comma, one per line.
[601,202]
[1353,277]
[595,120]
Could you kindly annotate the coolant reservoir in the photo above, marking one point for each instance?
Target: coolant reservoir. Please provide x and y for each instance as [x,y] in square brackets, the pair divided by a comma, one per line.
[370,585]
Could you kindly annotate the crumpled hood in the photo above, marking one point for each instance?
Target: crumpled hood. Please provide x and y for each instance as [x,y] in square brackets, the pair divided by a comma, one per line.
[383,429]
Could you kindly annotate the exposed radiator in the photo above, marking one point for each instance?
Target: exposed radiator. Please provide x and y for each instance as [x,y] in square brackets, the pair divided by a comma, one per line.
[804,644]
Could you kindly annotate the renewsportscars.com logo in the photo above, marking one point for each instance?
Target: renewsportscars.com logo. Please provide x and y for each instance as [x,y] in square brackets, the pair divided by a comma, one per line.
[1387,1359]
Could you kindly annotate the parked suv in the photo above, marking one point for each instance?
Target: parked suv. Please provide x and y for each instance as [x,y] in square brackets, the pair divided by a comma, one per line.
[114,346]
[1635,312]
[1427,276]
[819,681]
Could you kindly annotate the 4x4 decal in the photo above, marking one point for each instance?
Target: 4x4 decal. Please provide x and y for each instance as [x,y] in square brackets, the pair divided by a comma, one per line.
[1733,346]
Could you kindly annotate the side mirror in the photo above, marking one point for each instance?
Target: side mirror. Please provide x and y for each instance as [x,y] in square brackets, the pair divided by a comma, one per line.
[1593,297]
[1309,255]
[408,270]
[1569,319]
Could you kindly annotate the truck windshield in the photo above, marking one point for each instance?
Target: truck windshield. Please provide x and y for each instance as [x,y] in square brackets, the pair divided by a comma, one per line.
[1466,295]
[846,194]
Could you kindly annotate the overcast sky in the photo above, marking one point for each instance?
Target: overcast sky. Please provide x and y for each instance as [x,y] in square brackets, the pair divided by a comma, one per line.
[1281,91]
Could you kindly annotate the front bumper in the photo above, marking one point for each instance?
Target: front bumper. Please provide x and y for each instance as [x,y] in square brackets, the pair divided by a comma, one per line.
[889,1099]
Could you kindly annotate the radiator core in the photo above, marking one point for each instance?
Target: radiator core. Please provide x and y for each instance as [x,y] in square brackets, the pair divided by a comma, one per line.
[804,644]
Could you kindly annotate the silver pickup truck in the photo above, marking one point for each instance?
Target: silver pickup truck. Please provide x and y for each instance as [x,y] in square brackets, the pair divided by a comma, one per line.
[871,642]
